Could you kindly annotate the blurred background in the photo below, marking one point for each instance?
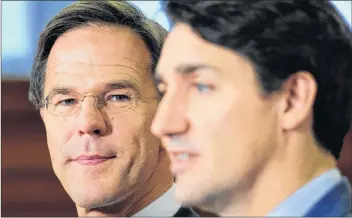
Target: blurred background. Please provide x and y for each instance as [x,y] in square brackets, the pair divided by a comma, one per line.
[29,186]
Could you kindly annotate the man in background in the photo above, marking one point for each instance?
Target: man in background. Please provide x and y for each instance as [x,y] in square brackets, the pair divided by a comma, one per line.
[92,82]
[257,98]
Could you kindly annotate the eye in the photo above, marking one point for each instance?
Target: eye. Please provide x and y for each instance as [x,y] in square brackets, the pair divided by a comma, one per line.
[67,102]
[202,87]
[119,98]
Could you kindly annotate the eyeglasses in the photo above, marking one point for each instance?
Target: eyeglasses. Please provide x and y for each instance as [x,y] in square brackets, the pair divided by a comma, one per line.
[68,104]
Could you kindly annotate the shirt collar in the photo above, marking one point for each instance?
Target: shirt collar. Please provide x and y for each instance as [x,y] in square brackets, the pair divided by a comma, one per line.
[307,196]
[165,205]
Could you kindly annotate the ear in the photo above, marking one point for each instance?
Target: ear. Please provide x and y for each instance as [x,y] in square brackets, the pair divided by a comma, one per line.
[299,92]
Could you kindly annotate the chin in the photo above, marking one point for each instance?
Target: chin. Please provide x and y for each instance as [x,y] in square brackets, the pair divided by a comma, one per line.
[97,195]
[86,196]
[190,193]
[90,202]
[189,197]
[198,200]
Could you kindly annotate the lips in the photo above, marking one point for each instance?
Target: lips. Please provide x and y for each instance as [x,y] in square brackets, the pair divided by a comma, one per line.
[182,159]
[91,159]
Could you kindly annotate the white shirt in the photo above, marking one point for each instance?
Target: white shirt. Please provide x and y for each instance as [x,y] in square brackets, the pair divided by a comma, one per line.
[165,205]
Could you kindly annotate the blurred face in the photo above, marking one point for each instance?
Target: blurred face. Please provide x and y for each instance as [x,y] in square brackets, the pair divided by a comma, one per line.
[218,128]
[100,103]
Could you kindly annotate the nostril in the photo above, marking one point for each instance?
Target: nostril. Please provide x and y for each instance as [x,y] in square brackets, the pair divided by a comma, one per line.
[97,131]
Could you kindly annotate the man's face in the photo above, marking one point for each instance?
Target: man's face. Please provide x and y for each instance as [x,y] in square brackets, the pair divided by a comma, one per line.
[104,151]
[218,127]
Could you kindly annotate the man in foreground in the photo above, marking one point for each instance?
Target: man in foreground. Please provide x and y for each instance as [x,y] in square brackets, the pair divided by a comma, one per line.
[256,102]
[92,82]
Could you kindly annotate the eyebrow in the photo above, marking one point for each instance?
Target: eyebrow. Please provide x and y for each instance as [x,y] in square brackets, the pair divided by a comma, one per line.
[59,90]
[187,69]
[123,84]
[113,85]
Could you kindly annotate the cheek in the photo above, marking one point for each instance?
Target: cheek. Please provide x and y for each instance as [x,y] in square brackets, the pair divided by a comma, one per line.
[58,133]
[135,128]
[228,113]
[230,131]
[133,133]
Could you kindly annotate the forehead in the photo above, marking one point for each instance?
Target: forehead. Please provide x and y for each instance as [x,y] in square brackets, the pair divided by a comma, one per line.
[185,47]
[182,44]
[90,54]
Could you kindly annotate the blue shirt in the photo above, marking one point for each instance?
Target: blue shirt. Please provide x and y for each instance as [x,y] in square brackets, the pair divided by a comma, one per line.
[306,197]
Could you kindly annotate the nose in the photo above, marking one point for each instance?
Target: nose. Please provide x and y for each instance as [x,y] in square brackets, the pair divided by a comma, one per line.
[170,118]
[91,120]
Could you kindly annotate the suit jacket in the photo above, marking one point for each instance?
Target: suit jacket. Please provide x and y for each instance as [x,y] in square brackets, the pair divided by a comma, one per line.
[185,212]
[337,202]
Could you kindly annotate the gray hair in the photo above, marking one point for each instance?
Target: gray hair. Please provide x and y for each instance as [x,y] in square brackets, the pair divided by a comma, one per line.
[86,13]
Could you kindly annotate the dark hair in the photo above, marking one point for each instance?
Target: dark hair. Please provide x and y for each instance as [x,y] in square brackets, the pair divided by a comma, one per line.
[87,13]
[280,38]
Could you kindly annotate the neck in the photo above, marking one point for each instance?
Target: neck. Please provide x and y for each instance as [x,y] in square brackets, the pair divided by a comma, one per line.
[159,182]
[289,168]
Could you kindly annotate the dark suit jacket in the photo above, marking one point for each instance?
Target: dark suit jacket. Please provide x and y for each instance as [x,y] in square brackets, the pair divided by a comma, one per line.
[185,212]
[337,202]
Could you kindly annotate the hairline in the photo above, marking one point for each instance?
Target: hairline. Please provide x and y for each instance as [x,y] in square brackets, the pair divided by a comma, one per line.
[152,35]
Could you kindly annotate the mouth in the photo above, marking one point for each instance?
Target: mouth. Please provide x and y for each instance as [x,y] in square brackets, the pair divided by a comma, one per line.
[182,160]
[92,159]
